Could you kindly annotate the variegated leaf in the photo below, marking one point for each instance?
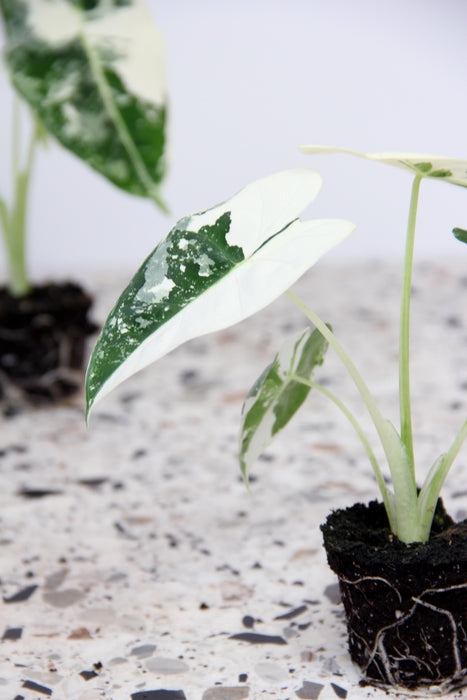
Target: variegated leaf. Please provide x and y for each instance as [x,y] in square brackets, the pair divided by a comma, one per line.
[276,395]
[452,170]
[211,271]
[93,72]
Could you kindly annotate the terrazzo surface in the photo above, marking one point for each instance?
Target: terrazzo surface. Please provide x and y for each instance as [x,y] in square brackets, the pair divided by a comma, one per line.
[135,565]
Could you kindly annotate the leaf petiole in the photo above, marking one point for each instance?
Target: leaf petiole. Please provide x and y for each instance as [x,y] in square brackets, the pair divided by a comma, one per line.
[387,496]
[404,363]
[405,489]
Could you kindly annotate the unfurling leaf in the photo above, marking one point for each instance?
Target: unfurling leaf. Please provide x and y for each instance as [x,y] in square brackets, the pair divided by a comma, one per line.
[211,271]
[460,234]
[277,395]
[93,73]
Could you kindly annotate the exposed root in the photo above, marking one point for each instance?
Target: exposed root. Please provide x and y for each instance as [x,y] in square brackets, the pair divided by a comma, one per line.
[390,659]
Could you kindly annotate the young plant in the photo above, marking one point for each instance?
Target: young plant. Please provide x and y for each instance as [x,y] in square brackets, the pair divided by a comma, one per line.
[93,75]
[218,267]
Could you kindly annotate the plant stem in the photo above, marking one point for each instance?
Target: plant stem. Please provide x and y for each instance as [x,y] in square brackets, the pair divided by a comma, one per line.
[14,218]
[404,349]
[363,438]
[405,490]
[349,365]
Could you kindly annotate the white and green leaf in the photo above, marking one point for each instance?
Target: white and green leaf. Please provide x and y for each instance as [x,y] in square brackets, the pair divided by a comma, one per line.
[452,170]
[93,72]
[277,395]
[213,270]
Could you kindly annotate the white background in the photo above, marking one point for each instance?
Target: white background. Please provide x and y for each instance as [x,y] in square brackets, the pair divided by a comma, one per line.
[251,80]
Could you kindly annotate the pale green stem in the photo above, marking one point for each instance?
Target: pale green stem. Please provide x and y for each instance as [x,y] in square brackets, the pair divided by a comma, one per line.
[405,491]
[404,350]
[115,116]
[15,143]
[348,363]
[14,218]
[363,438]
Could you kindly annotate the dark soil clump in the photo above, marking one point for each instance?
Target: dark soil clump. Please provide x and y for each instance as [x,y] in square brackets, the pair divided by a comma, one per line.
[42,342]
[406,605]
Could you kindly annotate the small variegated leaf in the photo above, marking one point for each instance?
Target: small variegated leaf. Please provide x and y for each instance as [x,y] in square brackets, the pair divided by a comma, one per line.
[93,73]
[460,234]
[213,270]
[277,395]
[452,170]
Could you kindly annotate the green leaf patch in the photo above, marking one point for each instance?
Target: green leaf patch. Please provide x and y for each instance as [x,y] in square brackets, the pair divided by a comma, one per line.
[460,234]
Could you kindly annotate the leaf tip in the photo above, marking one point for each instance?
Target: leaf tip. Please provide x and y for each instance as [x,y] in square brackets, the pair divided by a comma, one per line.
[460,234]
[244,470]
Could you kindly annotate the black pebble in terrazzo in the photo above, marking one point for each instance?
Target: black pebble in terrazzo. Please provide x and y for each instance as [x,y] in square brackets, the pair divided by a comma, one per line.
[248,621]
[242,677]
[254,638]
[309,691]
[87,675]
[122,530]
[295,612]
[159,695]
[137,454]
[18,449]
[12,633]
[30,685]
[27,492]
[340,692]
[21,595]
[93,483]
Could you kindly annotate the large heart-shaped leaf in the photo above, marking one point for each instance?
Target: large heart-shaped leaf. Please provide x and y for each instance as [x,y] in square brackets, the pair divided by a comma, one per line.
[452,170]
[277,395]
[93,72]
[211,271]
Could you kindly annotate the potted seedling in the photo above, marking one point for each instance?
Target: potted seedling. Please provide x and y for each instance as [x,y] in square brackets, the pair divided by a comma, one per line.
[92,76]
[402,564]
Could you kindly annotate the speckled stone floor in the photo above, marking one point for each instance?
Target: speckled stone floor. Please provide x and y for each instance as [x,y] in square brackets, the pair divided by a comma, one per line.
[135,565]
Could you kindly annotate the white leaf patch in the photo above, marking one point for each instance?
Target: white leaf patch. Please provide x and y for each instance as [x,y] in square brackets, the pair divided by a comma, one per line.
[126,33]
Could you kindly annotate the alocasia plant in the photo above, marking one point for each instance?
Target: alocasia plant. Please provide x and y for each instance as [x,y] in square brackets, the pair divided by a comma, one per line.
[93,74]
[220,266]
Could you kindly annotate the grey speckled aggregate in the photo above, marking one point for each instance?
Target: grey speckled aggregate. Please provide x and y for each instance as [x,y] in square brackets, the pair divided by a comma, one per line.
[134,563]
